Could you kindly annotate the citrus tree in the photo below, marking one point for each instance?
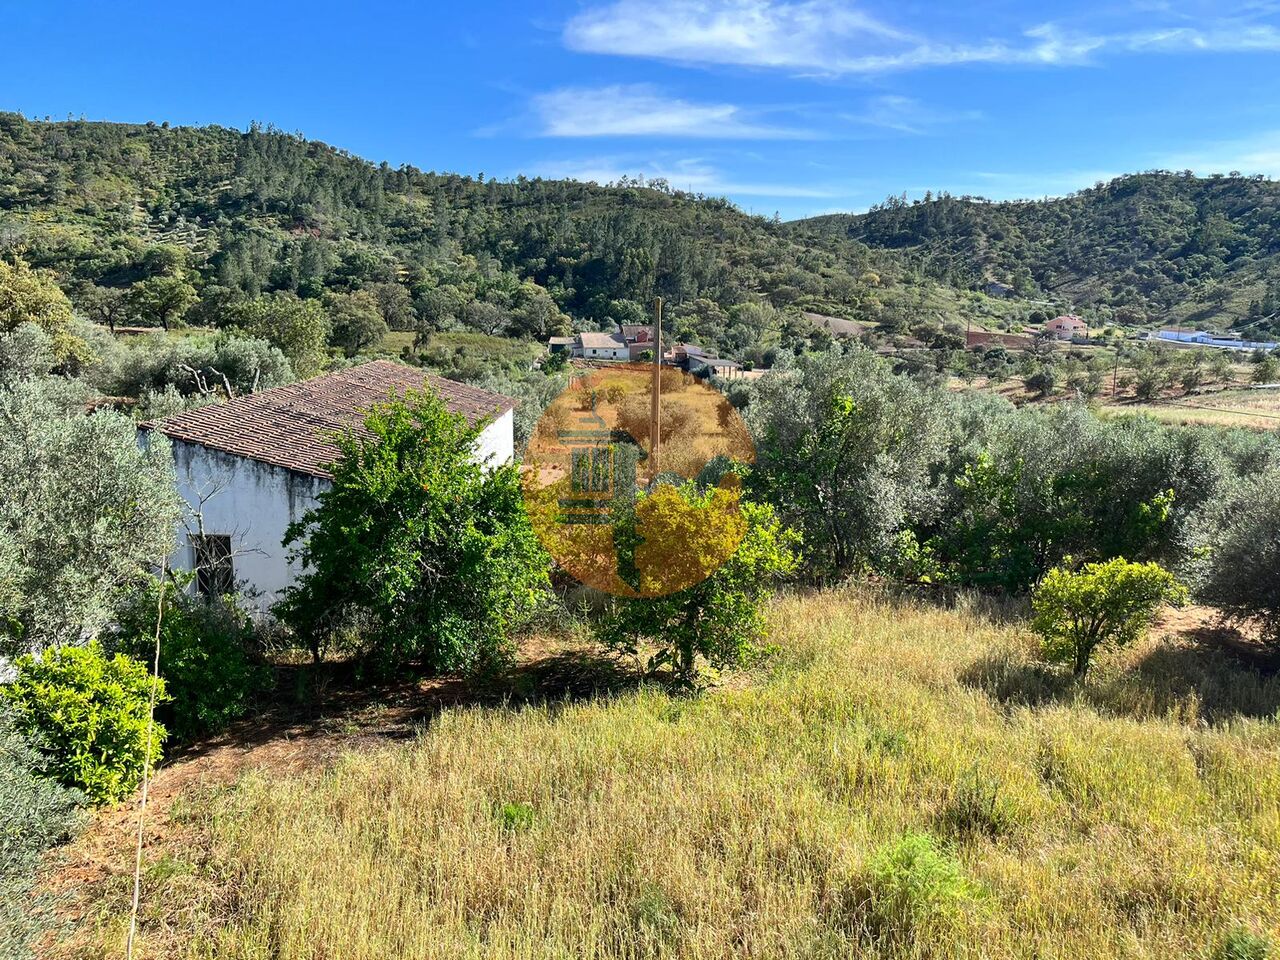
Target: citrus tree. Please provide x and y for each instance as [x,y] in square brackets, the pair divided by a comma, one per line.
[720,619]
[417,552]
[1108,603]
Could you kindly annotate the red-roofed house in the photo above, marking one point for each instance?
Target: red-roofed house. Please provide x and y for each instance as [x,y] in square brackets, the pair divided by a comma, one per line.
[1067,327]
[250,467]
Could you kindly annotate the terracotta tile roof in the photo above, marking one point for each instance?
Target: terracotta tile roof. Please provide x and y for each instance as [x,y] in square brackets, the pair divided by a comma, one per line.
[292,426]
[637,331]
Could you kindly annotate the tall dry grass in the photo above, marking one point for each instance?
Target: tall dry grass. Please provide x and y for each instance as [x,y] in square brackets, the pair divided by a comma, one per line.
[1136,817]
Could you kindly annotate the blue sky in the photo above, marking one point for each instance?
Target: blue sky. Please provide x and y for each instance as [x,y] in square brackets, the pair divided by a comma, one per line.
[794,107]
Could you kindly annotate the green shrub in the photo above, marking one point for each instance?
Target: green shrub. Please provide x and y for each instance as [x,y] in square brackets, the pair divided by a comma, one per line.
[90,712]
[207,657]
[1076,611]
[1236,570]
[720,619]
[418,550]
[1240,944]
[516,817]
[35,813]
[914,888]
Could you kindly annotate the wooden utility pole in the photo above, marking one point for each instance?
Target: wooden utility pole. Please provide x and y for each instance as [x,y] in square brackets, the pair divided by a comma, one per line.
[655,409]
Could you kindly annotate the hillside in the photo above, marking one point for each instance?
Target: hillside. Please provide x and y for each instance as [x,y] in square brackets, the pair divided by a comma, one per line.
[901,781]
[111,204]
[1148,248]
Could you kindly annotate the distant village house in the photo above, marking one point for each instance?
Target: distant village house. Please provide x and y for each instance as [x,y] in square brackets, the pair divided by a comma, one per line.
[704,366]
[1067,327]
[1218,341]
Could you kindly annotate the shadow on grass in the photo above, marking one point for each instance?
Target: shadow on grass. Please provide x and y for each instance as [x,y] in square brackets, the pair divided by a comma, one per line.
[998,608]
[332,701]
[1208,677]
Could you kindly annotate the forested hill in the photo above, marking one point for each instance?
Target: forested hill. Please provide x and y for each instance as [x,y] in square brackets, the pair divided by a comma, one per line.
[1156,247]
[241,213]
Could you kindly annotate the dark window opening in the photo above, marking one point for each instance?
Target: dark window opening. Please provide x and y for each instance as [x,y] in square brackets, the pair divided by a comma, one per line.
[215,574]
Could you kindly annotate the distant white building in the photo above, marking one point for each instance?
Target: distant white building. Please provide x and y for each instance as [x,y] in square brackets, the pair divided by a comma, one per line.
[252,466]
[1218,341]
[603,346]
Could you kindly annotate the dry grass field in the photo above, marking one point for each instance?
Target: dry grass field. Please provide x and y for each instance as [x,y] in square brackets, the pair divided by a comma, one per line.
[896,781]
[1253,409]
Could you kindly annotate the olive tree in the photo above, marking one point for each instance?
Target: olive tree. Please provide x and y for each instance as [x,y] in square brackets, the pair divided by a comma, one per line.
[26,353]
[846,451]
[1238,558]
[84,510]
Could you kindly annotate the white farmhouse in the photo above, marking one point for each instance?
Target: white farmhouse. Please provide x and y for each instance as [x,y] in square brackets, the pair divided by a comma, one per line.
[250,467]
[603,346]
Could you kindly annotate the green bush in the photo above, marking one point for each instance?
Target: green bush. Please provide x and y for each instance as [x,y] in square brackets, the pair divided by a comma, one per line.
[90,712]
[914,888]
[1240,944]
[516,817]
[742,550]
[1236,569]
[35,813]
[416,549]
[1111,603]
[207,657]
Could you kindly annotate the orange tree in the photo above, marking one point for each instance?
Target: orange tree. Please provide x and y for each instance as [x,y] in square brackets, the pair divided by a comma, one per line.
[417,553]
[1110,603]
[736,551]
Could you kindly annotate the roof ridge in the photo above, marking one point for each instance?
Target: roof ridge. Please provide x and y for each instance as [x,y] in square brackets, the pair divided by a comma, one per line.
[293,425]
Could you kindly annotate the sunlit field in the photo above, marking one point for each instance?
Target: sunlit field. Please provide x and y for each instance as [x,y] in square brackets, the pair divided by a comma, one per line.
[896,781]
[1254,409]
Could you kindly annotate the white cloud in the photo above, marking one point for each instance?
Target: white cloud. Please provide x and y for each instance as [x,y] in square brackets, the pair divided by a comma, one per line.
[908,115]
[1259,154]
[638,110]
[692,174]
[833,37]
[806,35]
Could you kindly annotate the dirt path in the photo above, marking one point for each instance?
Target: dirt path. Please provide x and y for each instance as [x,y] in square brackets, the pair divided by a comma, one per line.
[307,731]
[1205,625]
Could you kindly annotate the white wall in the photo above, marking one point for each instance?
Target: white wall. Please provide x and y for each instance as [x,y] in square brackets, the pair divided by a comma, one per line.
[497,442]
[254,503]
[607,353]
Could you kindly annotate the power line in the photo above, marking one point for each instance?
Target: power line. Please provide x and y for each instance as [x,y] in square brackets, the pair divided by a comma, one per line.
[1201,406]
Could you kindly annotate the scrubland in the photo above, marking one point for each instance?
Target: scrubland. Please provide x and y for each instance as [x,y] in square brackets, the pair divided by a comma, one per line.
[896,780]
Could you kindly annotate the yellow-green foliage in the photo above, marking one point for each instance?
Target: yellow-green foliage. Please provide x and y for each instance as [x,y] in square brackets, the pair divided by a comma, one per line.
[901,782]
[1111,602]
[28,296]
